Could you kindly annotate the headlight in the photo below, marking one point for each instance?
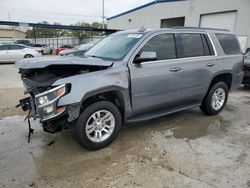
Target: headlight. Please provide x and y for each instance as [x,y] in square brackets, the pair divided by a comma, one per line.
[46,102]
[50,95]
[43,100]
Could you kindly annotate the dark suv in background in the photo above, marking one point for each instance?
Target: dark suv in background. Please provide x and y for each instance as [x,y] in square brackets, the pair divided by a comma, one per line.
[24,42]
[132,76]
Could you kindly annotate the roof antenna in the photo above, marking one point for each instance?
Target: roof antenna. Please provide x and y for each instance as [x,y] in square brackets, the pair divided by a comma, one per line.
[141,29]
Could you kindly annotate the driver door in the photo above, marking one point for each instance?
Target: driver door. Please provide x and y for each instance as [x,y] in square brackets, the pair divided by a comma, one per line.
[155,85]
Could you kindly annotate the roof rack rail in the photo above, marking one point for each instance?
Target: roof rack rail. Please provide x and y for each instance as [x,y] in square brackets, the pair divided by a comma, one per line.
[205,28]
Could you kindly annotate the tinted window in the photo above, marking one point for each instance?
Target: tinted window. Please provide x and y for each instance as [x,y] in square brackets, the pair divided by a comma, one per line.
[192,45]
[37,45]
[229,43]
[207,46]
[163,45]
[65,46]
[4,47]
[22,42]
[16,47]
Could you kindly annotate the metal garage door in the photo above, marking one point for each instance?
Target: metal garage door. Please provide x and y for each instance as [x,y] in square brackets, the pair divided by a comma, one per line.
[225,20]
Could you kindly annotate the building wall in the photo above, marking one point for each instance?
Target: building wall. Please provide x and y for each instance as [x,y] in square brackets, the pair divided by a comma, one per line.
[150,17]
[11,33]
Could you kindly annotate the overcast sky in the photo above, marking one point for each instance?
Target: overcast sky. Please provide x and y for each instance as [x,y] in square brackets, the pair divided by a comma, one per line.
[63,11]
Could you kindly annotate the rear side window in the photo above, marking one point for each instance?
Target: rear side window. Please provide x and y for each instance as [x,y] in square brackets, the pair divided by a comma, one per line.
[16,47]
[229,44]
[163,45]
[207,45]
[190,45]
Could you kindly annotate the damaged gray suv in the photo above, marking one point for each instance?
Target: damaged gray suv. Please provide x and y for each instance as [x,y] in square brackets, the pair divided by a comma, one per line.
[132,76]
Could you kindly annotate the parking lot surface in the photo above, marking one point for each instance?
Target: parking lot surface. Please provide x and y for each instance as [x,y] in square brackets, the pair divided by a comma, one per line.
[185,149]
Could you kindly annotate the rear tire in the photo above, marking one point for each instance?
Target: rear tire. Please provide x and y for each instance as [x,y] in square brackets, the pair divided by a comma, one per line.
[51,51]
[98,125]
[216,99]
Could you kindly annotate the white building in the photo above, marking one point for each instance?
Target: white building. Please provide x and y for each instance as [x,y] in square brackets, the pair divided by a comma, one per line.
[224,14]
[9,34]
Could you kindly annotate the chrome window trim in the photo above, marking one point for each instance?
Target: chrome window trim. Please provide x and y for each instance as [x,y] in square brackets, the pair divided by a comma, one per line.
[215,51]
[175,59]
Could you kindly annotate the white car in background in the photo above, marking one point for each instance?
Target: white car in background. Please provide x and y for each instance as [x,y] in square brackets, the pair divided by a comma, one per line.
[43,48]
[14,52]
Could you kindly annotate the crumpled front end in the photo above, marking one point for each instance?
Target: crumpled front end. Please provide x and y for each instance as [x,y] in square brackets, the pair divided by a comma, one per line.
[43,102]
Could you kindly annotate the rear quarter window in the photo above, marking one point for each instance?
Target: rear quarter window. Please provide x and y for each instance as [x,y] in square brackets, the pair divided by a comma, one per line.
[229,44]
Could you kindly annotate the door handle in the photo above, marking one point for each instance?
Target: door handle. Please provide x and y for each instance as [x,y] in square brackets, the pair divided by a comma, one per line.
[175,69]
[210,64]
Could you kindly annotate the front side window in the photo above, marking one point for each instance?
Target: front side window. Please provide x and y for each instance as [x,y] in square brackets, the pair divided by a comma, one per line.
[114,47]
[163,45]
[229,43]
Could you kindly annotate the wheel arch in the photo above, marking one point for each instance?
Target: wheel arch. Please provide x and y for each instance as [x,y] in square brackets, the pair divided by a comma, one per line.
[114,95]
[27,55]
[222,76]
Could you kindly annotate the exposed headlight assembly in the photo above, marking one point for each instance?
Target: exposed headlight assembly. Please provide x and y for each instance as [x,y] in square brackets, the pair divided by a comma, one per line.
[46,102]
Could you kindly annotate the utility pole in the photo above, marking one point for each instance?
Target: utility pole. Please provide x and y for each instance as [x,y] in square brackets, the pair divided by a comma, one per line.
[103,24]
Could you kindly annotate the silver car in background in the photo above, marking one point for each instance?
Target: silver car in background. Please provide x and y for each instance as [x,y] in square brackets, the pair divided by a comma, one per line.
[42,48]
[77,51]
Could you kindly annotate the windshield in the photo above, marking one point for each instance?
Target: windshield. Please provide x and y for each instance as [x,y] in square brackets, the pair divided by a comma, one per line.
[114,47]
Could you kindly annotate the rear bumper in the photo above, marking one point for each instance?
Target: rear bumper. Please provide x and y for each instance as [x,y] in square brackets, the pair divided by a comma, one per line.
[237,80]
[246,79]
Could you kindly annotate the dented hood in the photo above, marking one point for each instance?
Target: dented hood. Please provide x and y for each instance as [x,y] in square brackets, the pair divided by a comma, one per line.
[38,63]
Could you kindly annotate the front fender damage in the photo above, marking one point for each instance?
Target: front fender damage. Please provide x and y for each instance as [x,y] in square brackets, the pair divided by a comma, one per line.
[39,80]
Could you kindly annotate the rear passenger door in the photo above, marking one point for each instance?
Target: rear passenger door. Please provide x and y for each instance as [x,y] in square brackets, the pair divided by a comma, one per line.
[196,54]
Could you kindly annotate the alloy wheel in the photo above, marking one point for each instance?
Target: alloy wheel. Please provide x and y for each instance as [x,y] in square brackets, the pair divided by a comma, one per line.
[100,126]
[218,98]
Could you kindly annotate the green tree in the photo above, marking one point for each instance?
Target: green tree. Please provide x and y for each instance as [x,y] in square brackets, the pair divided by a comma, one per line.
[47,32]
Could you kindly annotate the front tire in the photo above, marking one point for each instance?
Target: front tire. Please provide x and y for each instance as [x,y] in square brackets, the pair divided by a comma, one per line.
[216,99]
[98,125]
[28,56]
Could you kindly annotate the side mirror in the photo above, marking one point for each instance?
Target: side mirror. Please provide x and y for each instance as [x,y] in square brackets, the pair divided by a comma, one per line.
[145,56]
